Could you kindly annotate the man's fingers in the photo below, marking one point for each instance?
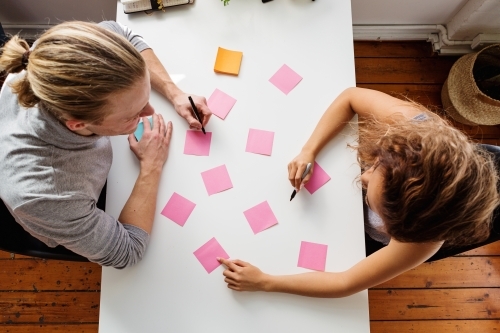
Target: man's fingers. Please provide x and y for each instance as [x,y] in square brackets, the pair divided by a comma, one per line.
[168,133]
[146,124]
[205,113]
[193,122]
[132,139]
[162,128]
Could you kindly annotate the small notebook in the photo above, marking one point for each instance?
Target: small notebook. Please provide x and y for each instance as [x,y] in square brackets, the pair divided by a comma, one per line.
[133,6]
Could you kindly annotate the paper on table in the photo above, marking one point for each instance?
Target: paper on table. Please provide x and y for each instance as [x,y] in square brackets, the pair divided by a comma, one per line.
[228,62]
[178,209]
[260,142]
[197,143]
[312,256]
[220,103]
[285,79]
[140,129]
[216,180]
[260,217]
[208,253]
[318,179]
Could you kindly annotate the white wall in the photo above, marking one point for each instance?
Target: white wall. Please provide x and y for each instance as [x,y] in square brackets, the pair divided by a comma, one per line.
[404,11]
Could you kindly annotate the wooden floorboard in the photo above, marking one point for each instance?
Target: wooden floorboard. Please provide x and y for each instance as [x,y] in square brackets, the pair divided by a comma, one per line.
[38,328]
[434,304]
[492,249]
[49,307]
[53,275]
[403,70]
[458,294]
[474,272]
[437,326]
[417,49]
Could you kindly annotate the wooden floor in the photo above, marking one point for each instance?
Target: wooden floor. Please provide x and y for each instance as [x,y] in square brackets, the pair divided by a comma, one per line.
[458,294]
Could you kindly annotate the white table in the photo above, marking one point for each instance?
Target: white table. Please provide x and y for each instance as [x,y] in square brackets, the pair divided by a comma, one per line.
[169,291]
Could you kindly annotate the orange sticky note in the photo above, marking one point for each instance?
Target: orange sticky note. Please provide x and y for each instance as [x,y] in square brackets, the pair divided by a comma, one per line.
[228,62]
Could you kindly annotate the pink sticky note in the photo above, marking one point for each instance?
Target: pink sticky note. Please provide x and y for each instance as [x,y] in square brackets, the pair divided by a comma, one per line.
[178,209]
[220,103]
[318,179]
[197,143]
[208,253]
[260,142]
[312,256]
[216,180]
[260,217]
[285,79]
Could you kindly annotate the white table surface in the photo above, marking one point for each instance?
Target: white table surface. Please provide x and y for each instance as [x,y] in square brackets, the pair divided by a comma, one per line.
[169,290]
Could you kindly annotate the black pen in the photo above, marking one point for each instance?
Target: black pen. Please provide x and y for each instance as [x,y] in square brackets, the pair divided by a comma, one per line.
[304,174]
[195,111]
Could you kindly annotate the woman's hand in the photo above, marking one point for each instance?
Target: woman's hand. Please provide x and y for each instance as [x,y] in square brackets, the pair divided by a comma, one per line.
[297,167]
[183,108]
[242,276]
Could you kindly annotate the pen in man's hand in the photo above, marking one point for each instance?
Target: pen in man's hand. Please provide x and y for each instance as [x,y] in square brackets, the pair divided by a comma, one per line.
[304,174]
[197,115]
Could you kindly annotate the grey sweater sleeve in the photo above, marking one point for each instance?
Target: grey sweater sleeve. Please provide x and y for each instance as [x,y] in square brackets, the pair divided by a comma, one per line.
[136,40]
[84,229]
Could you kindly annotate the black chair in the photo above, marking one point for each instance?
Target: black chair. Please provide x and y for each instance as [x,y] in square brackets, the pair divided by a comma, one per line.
[3,36]
[14,239]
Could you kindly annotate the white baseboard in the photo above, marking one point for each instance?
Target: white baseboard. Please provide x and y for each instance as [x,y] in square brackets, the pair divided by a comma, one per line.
[435,34]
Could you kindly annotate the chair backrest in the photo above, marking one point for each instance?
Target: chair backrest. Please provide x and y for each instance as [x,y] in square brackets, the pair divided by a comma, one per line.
[495,150]
[14,239]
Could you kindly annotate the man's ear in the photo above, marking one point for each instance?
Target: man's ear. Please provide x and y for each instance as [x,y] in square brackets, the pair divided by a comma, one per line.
[75,125]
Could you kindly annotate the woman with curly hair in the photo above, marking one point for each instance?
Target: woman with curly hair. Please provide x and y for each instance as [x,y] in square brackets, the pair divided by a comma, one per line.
[429,192]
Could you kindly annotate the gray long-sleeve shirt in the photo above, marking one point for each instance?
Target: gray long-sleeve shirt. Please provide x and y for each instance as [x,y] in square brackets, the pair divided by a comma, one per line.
[51,178]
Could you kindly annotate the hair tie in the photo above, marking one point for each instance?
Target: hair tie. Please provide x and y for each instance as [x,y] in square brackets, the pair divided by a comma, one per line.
[24,60]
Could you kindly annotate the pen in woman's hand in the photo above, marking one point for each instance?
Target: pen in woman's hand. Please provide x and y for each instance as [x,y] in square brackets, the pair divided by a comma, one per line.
[304,174]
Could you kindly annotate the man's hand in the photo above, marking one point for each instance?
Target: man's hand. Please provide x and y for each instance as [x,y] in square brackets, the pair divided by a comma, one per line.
[152,150]
[162,82]
[184,109]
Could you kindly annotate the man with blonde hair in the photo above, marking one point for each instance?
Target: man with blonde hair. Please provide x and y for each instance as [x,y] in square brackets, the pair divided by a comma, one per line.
[62,98]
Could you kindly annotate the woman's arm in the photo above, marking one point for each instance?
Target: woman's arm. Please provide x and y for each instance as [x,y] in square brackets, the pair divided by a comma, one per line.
[352,101]
[379,267]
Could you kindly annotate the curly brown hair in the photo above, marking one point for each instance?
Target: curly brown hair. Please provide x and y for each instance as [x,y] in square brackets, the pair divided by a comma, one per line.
[438,185]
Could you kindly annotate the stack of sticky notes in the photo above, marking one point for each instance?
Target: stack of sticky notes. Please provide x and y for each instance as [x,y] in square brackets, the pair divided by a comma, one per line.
[228,62]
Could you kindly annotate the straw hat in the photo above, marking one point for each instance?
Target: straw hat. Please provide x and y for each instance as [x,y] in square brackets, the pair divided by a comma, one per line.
[461,97]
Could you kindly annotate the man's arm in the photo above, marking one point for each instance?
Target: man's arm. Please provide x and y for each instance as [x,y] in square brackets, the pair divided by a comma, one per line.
[152,152]
[162,83]
[160,79]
